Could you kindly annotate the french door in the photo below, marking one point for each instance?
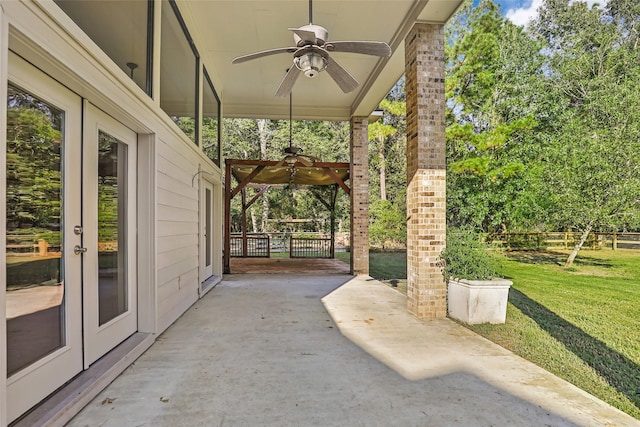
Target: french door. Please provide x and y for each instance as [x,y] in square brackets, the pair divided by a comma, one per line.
[44,275]
[109,233]
[207,229]
[71,235]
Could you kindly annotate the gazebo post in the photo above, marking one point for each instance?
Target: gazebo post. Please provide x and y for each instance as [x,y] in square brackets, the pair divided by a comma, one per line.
[243,196]
[333,221]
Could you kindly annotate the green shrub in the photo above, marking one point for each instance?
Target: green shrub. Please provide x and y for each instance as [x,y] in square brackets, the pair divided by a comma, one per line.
[467,257]
[387,225]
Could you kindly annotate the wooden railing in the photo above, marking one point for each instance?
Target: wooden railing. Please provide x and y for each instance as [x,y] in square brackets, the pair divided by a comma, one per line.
[257,246]
[564,240]
[21,245]
[310,247]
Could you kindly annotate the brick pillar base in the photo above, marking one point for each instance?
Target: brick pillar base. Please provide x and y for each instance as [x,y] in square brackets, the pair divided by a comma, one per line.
[359,177]
[426,170]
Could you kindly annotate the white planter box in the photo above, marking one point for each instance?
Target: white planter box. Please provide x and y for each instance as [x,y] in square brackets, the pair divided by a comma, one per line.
[478,301]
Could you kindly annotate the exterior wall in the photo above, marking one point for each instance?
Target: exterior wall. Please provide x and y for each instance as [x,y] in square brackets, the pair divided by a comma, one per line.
[169,202]
[4,33]
[177,233]
[426,170]
[359,177]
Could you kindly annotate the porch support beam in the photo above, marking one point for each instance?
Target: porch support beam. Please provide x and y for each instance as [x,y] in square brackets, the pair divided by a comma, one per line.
[426,170]
[359,195]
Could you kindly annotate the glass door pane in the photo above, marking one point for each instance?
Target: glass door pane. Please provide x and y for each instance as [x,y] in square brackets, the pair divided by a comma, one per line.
[35,260]
[112,212]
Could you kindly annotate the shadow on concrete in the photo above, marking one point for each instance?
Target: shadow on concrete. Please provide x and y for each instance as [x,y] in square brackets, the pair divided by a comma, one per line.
[618,370]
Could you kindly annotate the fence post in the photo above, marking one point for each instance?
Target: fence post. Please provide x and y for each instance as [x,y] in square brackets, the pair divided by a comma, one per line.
[614,241]
[566,241]
[43,247]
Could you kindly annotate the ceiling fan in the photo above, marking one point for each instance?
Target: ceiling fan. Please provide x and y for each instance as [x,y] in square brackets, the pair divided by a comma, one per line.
[293,154]
[311,55]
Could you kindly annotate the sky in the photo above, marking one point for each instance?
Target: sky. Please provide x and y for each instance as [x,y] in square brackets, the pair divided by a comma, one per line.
[520,12]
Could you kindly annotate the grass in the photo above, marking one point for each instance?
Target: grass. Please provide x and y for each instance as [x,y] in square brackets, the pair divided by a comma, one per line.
[581,325]
[387,267]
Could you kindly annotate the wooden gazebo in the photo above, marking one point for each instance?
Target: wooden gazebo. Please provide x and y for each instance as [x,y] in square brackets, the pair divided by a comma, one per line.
[264,175]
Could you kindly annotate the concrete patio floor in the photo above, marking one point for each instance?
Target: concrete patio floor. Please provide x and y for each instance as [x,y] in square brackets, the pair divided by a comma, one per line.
[331,350]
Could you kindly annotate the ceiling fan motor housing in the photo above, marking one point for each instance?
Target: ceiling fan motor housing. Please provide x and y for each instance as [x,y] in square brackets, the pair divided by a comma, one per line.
[321,35]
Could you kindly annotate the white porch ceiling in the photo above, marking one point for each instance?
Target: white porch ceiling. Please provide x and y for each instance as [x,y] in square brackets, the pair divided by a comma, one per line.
[225,29]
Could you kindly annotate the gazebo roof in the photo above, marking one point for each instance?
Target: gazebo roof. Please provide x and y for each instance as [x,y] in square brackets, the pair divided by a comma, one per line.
[273,172]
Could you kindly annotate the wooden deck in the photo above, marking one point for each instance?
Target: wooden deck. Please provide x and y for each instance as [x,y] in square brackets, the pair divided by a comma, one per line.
[288,266]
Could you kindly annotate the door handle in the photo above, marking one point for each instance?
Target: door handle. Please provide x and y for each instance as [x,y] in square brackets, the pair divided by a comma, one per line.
[79,250]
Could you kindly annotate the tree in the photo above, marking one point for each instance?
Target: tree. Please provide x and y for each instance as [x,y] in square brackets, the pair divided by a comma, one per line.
[264,134]
[486,130]
[379,135]
[591,173]
[387,172]
[34,179]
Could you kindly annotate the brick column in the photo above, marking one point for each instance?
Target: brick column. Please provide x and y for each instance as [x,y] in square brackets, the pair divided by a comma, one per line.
[359,177]
[426,170]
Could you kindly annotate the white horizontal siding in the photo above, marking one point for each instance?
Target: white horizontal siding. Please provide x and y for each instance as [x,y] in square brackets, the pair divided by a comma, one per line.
[177,298]
[174,228]
[177,268]
[169,198]
[179,241]
[177,220]
[170,184]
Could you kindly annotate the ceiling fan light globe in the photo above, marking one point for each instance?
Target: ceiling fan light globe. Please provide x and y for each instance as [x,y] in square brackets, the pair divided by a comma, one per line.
[311,64]
[290,160]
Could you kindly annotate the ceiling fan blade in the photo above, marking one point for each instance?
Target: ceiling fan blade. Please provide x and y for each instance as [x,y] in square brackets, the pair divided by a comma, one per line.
[281,162]
[306,35]
[286,85]
[342,77]
[363,47]
[304,161]
[263,53]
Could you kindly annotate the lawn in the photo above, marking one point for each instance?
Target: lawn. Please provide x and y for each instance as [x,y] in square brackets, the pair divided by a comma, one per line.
[388,267]
[583,325]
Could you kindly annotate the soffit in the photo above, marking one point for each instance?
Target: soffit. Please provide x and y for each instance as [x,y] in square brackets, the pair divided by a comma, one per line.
[226,29]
